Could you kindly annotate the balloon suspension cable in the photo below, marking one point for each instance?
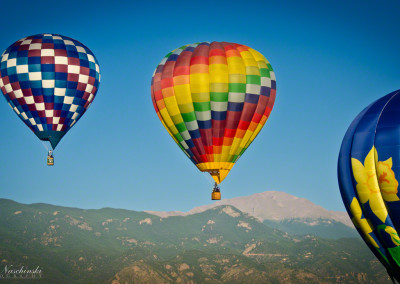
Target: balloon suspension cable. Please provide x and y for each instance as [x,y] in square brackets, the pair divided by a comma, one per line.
[207,176]
[45,145]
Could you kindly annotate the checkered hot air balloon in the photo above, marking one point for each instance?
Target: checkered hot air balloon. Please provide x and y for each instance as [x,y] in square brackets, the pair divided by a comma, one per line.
[213,99]
[49,80]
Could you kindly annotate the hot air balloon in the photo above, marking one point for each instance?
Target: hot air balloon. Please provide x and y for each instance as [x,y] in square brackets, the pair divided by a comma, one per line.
[213,99]
[49,80]
[368,174]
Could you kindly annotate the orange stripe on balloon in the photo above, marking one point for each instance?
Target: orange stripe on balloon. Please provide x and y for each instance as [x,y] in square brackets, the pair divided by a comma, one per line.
[181,80]
[240,133]
[217,60]
[168,92]
[198,68]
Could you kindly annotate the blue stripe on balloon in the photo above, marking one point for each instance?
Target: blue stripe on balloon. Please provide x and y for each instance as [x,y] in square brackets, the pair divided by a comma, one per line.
[58,102]
[34,63]
[23,77]
[204,124]
[82,56]
[190,144]
[79,94]
[36,91]
[189,48]
[84,63]
[4,72]
[194,134]
[218,115]
[48,68]
[65,110]
[265,91]
[72,86]
[60,83]
[13,78]
[62,77]
[251,98]
[13,53]
[235,106]
[47,39]
[47,98]
[72,53]
[173,57]
[22,57]
[70,48]
[12,50]
[92,72]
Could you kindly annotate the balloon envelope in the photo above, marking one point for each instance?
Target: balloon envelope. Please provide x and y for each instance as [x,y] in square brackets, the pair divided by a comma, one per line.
[49,80]
[368,174]
[213,99]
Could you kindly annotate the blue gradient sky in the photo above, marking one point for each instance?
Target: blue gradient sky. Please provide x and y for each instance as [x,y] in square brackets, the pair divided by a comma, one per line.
[331,59]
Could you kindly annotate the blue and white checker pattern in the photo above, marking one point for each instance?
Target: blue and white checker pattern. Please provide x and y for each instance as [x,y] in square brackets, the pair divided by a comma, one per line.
[49,80]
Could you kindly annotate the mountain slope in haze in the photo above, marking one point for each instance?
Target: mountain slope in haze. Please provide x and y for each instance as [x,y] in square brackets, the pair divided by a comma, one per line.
[285,212]
[219,245]
[270,205]
[325,228]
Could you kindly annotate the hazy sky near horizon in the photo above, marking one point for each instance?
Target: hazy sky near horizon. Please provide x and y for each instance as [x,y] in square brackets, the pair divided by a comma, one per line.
[331,59]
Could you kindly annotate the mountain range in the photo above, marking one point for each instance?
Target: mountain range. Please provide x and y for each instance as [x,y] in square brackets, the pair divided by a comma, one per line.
[285,212]
[270,205]
[221,244]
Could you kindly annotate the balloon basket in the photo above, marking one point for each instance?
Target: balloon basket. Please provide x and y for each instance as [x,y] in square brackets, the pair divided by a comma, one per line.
[216,193]
[50,161]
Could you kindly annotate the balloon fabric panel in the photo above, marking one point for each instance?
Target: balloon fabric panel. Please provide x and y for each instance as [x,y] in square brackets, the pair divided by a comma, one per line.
[213,98]
[368,169]
[49,81]
[349,194]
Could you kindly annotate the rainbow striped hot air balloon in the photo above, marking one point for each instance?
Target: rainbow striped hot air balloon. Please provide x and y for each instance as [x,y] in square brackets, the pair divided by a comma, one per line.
[213,99]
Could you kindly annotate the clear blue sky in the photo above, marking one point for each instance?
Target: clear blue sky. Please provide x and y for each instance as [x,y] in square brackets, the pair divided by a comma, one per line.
[331,59]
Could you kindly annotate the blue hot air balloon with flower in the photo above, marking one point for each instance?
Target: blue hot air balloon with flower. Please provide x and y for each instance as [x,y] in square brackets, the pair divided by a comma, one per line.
[369,174]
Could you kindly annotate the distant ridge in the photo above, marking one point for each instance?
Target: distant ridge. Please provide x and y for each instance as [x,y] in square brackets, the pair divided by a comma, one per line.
[219,245]
[270,205]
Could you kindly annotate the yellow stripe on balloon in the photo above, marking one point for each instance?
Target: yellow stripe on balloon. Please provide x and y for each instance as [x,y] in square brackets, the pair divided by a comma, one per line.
[168,121]
[257,56]
[201,97]
[199,83]
[219,87]
[172,107]
[236,65]
[182,94]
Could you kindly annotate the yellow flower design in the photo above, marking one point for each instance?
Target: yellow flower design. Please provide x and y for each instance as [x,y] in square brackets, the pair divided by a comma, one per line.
[387,180]
[393,235]
[361,223]
[375,180]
